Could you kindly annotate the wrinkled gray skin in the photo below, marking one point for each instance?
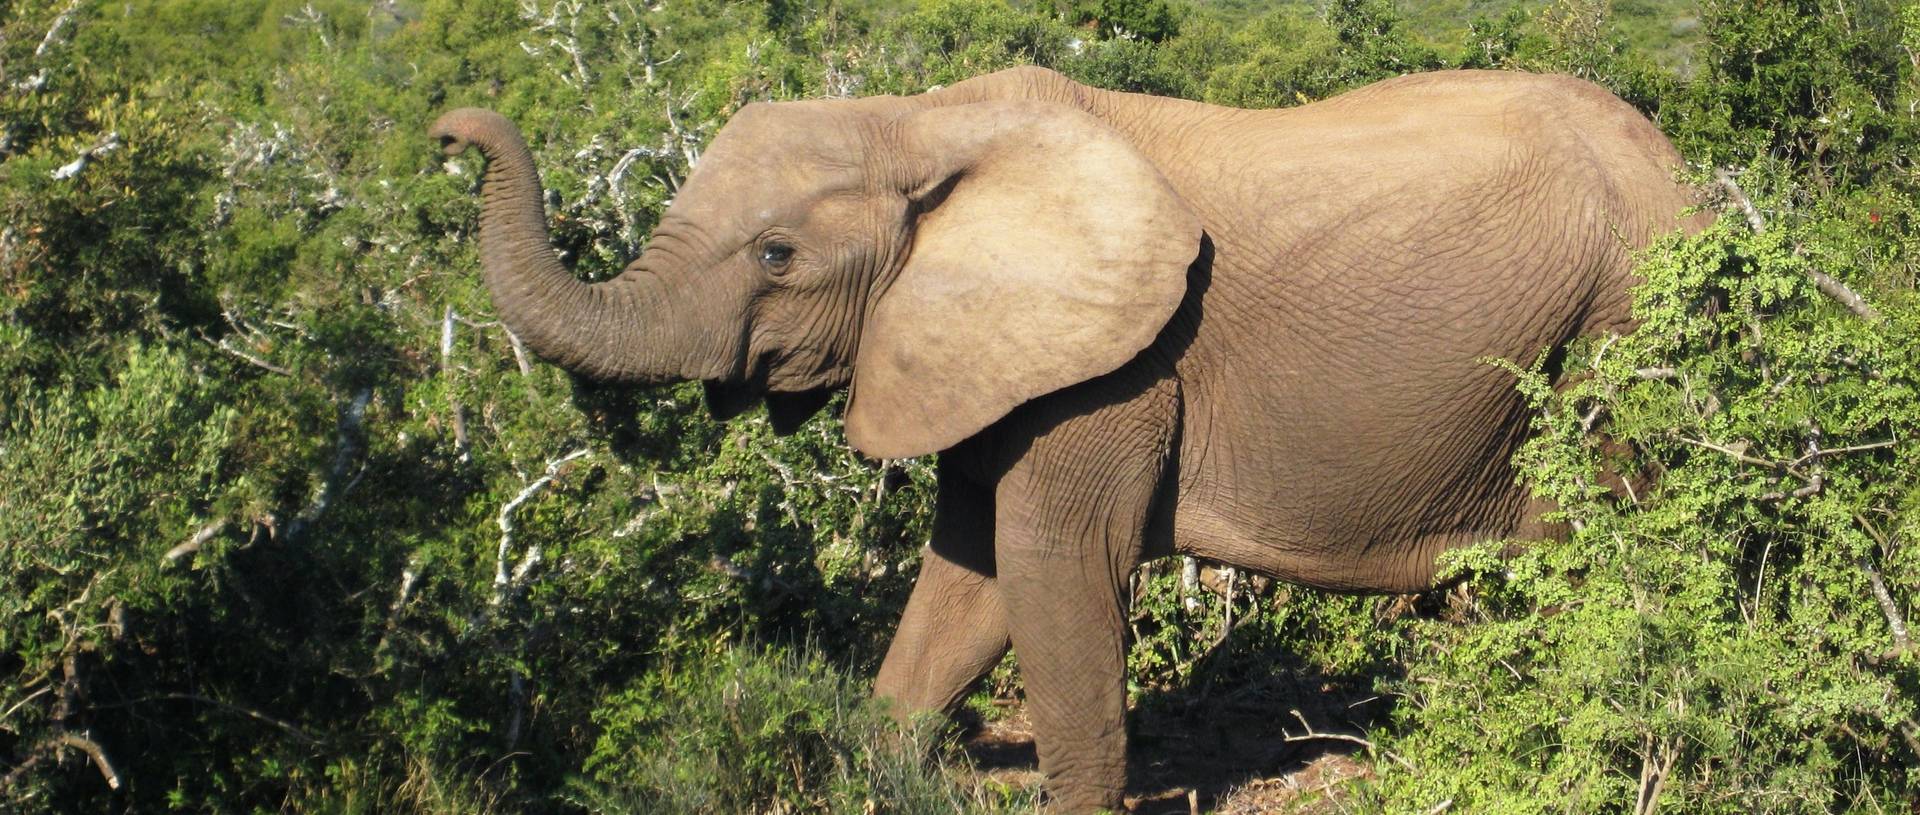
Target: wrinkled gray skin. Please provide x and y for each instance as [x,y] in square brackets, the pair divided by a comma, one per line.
[1131,326]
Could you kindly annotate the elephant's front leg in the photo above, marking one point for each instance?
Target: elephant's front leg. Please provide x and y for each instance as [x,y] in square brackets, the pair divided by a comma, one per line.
[955,628]
[1070,520]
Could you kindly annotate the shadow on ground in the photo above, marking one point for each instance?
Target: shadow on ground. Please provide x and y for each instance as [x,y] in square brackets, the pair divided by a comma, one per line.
[1269,743]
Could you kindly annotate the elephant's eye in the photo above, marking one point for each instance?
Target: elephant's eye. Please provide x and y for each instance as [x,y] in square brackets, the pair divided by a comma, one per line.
[776,255]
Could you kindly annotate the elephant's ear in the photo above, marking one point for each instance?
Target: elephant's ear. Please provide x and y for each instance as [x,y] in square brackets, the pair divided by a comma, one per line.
[1048,251]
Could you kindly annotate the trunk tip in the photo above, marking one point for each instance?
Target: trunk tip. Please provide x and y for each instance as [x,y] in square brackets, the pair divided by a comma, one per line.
[456,129]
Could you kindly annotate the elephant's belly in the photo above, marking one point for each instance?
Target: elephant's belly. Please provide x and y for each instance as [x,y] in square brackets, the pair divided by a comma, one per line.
[1329,560]
[1199,531]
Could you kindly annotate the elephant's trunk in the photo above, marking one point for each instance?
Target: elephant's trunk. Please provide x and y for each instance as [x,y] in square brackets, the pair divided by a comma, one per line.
[626,329]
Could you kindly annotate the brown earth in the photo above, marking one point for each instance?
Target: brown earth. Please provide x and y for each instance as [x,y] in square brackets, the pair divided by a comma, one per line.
[1224,751]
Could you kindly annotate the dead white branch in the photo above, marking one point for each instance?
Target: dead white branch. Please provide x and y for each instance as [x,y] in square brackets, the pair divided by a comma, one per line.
[106,144]
[460,446]
[1740,199]
[506,582]
[308,15]
[194,543]
[224,344]
[32,84]
[408,577]
[1896,622]
[1847,296]
[85,744]
[53,31]
[346,449]
[1825,283]
[519,352]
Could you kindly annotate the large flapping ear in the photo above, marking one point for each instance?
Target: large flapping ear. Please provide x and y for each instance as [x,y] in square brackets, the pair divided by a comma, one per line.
[1048,251]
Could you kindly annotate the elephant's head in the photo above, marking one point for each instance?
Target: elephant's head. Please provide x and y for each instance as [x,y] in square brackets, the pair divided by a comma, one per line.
[949,262]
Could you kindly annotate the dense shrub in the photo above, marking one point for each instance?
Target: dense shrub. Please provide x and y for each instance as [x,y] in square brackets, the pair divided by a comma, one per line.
[287,521]
[750,732]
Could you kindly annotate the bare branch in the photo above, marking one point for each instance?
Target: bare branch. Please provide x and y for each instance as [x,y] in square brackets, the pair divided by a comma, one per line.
[194,543]
[1896,622]
[1825,283]
[1838,450]
[1847,296]
[53,31]
[1814,485]
[505,583]
[1740,200]
[1654,779]
[1736,455]
[408,577]
[249,358]
[288,727]
[81,742]
[311,16]
[1311,735]
[519,352]
[346,449]
[44,689]
[107,144]
[460,446]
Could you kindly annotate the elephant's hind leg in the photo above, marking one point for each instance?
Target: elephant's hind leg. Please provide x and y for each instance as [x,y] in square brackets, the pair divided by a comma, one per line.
[955,628]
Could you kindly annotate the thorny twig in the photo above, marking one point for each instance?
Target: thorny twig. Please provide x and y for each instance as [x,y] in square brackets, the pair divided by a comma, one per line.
[1311,735]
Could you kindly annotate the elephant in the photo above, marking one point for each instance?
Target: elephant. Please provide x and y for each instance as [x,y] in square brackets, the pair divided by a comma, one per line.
[1130,327]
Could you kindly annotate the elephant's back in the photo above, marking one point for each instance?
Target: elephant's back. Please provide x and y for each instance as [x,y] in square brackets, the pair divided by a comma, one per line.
[1369,257]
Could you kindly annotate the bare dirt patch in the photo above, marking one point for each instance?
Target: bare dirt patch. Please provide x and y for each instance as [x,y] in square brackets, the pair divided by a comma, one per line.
[1217,750]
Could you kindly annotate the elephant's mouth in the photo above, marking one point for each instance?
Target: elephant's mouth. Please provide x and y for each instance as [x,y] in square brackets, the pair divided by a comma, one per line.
[786,411]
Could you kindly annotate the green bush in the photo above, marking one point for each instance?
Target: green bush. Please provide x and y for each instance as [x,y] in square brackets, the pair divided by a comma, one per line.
[287,521]
[756,732]
[1730,639]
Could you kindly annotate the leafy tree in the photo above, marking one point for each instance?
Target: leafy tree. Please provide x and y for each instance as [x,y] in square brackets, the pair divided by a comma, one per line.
[1148,20]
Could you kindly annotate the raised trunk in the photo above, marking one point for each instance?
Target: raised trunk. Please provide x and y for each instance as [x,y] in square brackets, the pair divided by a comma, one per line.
[627,329]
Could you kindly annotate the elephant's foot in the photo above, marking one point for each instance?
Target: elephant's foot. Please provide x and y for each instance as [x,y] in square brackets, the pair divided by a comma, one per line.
[1091,780]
